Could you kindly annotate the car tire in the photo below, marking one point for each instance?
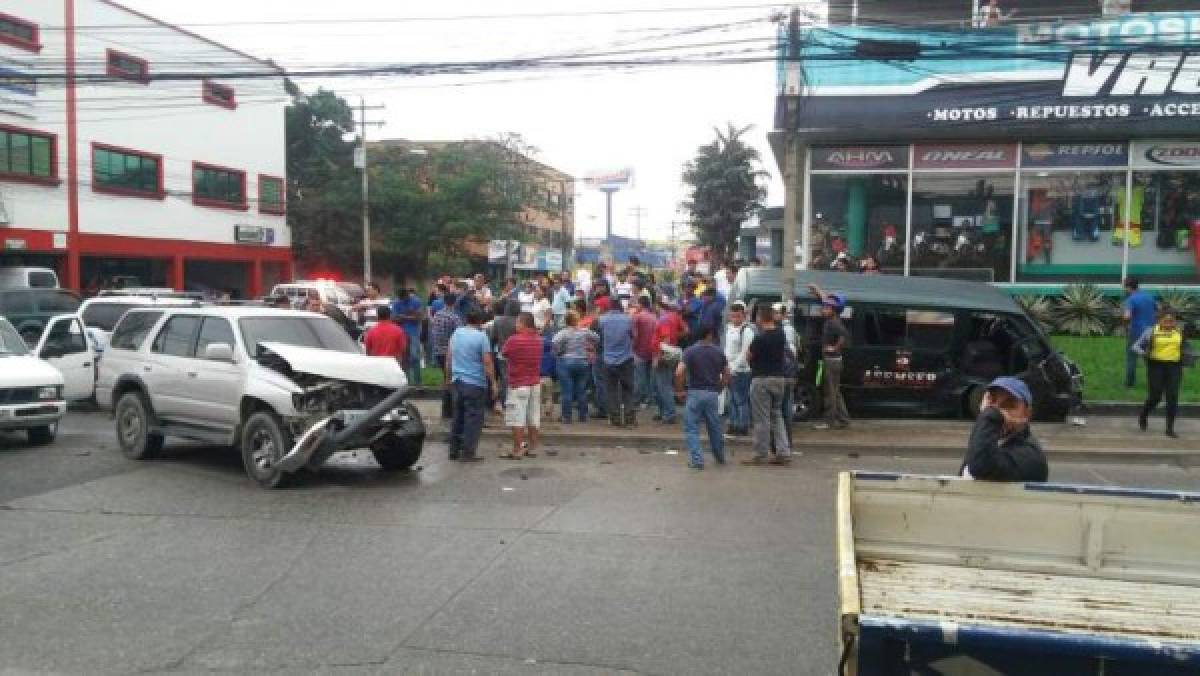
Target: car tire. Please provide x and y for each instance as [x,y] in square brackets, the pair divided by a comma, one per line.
[807,402]
[265,442]
[395,453]
[133,421]
[42,435]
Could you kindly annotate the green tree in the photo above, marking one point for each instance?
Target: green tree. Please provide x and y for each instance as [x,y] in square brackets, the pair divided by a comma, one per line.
[323,191]
[430,207]
[725,182]
[427,206]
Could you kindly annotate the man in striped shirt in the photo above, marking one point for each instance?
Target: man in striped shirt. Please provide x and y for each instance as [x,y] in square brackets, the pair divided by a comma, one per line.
[441,327]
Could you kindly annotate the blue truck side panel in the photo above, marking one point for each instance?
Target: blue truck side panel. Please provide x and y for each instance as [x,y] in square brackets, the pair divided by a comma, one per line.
[894,646]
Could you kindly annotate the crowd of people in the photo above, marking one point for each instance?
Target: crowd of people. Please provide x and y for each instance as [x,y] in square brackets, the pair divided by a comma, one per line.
[618,344]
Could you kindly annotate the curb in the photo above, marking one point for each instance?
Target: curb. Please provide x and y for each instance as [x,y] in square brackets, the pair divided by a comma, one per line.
[1179,457]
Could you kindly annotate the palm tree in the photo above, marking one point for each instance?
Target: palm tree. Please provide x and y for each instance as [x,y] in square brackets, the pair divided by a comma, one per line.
[726,189]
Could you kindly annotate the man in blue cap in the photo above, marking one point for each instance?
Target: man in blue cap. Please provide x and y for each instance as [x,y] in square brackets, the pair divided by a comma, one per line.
[835,338]
[1001,446]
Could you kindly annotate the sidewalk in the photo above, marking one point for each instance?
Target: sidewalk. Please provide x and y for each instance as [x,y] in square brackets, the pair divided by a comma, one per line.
[1103,439]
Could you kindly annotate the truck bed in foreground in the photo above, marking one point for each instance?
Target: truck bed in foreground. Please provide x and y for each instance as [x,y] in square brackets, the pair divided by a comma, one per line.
[946,576]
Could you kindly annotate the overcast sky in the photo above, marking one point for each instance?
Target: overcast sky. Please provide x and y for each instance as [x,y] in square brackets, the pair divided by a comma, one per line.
[652,120]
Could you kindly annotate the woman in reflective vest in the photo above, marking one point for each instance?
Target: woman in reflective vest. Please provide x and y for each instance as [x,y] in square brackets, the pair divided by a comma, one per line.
[1166,353]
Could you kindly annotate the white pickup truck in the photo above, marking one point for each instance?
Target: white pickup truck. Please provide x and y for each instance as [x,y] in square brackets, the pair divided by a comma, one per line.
[950,576]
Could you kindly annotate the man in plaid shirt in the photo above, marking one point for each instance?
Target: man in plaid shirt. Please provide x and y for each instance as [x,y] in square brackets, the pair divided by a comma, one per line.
[441,327]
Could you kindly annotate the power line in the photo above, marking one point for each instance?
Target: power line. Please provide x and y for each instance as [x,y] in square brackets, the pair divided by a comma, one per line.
[445,18]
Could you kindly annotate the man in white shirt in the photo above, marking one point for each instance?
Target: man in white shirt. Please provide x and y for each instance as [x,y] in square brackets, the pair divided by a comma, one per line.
[724,279]
[559,303]
[483,293]
[541,310]
[738,335]
[624,289]
[525,297]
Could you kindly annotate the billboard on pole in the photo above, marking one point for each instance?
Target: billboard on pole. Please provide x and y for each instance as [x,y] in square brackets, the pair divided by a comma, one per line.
[616,179]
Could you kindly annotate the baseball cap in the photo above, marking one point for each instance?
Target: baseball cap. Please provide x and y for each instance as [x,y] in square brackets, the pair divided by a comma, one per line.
[835,300]
[1014,386]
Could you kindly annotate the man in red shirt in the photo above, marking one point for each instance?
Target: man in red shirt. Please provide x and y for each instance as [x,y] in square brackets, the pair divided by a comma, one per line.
[386,339]
[522,407]
[669,330]
[645,346]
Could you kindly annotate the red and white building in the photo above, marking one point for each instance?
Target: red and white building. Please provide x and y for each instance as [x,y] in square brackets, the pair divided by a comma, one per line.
[132,147]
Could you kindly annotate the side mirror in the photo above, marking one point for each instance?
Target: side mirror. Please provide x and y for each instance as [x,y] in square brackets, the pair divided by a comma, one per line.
[218,352]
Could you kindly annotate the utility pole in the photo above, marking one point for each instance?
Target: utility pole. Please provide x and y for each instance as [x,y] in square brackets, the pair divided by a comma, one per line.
[793,203]
[638,212]
[360,162]
[608,191]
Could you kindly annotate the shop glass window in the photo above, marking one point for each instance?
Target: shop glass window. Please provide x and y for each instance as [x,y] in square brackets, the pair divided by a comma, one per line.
[126,171]
[219,186]
[860,215]
[1068,226]
[19,33]
[1164,223]
[26,155]
[270,195]
[962,226]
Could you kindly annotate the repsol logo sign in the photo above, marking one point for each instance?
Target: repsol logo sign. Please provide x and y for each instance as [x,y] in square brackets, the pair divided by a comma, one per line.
[1133,74]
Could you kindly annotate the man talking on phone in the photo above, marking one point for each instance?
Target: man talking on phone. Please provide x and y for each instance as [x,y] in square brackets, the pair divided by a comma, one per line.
[1001,446]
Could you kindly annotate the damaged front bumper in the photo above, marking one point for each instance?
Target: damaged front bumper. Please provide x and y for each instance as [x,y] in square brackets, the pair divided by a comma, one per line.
[353,428]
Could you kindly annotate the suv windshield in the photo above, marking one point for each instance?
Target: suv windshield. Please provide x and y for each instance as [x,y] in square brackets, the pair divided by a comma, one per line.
[11,341]
[317,332]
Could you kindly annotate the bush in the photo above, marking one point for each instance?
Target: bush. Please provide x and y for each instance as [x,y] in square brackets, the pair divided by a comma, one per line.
[1183,303]
[1084,311]
[1040,309]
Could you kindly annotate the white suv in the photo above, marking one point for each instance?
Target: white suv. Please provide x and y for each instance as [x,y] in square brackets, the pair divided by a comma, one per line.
[288,387]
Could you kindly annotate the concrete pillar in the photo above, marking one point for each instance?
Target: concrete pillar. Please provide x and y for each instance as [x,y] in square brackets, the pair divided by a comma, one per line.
[175,272]
[856,215]
[256,279]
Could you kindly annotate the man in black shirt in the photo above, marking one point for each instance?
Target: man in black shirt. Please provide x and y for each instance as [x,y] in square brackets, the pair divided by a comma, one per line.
[768,386]
[704,372]
[1001,447]
[834,340]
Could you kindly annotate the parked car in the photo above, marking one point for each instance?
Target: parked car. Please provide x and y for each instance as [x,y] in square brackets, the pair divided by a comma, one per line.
[919,345]
[330,292]
[289,388]
[66,346]
[31,390]
[30,309]
[101,314]
[28,278]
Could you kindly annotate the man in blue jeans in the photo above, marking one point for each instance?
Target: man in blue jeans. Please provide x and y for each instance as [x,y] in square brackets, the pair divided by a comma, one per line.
[472,375]
[408,310]
[1139,315]
[704,372]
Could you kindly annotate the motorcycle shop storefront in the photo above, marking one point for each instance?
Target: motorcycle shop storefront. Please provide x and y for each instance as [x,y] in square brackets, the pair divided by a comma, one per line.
[1024,212]
[1028,154]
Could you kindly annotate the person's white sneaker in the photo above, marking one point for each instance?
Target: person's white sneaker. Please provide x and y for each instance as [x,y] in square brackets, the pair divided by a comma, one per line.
[822,426]
[1079,421]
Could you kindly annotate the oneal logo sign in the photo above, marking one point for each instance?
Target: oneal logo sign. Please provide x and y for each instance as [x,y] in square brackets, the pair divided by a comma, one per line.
[948,156]
[1179,155]
[860,159]
[1135,74]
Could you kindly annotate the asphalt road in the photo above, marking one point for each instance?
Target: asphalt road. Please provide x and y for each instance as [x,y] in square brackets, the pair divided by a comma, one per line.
[598,561]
